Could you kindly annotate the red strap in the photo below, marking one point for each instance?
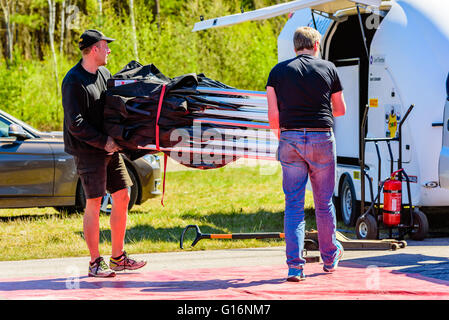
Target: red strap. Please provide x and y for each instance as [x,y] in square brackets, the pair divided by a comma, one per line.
[159,107]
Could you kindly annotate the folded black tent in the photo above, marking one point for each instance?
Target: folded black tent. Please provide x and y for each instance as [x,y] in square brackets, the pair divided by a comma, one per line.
[198,121]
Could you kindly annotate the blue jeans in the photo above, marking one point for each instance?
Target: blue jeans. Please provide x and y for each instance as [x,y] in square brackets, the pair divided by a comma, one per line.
[302,155]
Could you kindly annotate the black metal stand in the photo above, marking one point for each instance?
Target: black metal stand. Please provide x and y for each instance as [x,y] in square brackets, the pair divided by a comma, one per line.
[375,208]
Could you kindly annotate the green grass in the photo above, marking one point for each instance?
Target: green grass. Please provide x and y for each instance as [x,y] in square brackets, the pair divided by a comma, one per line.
[226,200]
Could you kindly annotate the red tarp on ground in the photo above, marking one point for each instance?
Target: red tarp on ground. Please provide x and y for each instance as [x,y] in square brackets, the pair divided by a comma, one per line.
[350,281]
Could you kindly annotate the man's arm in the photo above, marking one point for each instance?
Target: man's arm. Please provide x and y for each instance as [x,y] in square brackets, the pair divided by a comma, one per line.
[73,96]
[338,104]
[273,111]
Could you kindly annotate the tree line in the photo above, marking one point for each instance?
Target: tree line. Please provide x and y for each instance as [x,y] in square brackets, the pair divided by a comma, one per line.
[38,45]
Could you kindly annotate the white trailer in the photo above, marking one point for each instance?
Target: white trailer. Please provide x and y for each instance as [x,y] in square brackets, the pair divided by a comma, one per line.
[390,55]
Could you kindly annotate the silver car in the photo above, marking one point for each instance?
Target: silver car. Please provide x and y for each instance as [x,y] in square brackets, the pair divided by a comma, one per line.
[36,172]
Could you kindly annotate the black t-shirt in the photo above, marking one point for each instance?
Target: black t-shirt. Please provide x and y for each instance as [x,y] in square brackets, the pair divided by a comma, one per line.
[303,87]
[83,96]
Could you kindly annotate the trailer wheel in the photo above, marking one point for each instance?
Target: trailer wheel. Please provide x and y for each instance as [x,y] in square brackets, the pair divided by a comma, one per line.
[366,227]
[421,225]
[349,206]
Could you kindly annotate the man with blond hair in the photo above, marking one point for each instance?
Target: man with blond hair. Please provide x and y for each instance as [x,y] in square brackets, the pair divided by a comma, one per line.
[96,156]
[304,95]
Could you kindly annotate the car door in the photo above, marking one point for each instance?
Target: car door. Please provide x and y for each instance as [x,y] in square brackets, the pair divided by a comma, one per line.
[26,166]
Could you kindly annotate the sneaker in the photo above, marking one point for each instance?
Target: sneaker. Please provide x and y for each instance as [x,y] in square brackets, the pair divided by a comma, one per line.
[100,269]
[332,267]
[296,275]
[124,262]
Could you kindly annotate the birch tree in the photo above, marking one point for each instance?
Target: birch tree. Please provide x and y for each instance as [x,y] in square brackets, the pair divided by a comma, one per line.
[51,33]
[133,26]
[100,12]
[156,14]
[61,44]
[6,8]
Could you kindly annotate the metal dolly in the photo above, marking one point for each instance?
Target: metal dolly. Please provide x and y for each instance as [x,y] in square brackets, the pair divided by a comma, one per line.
[370,222]
[310,241]
[309,244]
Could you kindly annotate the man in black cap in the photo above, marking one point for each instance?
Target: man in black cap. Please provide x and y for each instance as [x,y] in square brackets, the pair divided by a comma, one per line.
[99,164]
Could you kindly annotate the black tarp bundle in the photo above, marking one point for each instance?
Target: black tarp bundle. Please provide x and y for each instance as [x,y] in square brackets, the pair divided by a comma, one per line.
[133,100]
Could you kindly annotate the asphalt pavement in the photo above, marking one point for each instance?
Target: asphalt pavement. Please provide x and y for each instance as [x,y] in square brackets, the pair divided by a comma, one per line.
[430,256]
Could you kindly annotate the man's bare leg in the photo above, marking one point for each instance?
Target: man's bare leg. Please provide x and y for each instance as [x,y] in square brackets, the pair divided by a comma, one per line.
[91,226]
[120,200]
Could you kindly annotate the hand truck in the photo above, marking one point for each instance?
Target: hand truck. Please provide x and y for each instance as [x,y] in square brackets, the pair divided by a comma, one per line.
[413,221]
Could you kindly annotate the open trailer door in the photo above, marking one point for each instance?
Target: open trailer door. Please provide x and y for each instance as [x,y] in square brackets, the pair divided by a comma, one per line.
[326,6]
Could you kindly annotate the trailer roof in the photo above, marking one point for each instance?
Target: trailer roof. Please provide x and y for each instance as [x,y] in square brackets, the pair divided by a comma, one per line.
[327,6]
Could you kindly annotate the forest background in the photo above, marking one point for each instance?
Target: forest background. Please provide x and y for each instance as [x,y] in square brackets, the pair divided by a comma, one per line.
[38,45]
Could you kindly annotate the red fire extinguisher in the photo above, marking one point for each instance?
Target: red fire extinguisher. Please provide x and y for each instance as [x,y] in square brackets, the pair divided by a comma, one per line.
[392,201]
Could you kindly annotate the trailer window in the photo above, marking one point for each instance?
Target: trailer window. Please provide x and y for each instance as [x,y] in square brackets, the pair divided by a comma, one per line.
[322,23]
[307,19]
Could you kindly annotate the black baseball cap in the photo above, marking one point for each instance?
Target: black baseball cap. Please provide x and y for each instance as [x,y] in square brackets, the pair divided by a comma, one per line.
[91,36]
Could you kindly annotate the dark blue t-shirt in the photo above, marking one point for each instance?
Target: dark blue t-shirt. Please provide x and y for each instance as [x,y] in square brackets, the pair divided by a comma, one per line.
[304,86]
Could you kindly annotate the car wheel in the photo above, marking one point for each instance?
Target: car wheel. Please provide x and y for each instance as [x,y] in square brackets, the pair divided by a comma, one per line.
[106,202]
[80,202]
[67,209]
[349,206]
